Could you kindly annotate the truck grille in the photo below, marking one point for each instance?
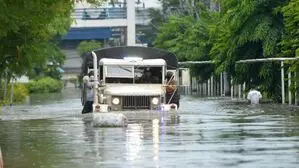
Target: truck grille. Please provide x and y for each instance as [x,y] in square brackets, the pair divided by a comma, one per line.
[136,102]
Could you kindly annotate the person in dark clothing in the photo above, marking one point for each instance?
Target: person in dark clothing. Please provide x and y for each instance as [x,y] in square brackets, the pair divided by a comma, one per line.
[89,91]
[146,76]
[172,93]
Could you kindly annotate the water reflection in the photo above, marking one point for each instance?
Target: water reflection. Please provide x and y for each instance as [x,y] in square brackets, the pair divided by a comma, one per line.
[209,133]
[134,142]
[156,141]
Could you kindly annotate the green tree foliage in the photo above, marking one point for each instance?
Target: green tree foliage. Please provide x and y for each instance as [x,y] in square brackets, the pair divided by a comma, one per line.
[51,59]
[97,2]
[243,29]
[170,8]
[290,42]
[20,92]
[44,85]
[188,37]
[251,29]
[26,28]
[87,46]
[171,34]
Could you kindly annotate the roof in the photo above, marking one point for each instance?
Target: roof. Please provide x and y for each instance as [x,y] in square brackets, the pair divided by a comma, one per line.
[147,62]
[131,51]
[91,33]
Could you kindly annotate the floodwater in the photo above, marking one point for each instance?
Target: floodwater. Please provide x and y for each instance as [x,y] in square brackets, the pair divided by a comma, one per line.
[50,133]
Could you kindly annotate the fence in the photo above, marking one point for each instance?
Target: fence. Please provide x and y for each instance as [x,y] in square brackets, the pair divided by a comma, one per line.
[106,13]
[219,86]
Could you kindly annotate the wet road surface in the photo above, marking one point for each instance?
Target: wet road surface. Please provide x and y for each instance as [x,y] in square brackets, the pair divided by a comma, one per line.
[50,133]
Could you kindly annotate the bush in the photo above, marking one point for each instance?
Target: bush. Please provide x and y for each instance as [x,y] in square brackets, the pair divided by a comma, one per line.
[20,92]
[44,85]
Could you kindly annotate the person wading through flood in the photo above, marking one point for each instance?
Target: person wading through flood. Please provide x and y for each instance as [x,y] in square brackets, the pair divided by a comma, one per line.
[172,94]
[88,80]
[254,96]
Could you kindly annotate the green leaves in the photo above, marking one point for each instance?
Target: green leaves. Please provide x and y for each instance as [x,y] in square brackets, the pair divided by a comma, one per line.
[243,29]
[290,42]
[87,46]
[26,32]
[189,38]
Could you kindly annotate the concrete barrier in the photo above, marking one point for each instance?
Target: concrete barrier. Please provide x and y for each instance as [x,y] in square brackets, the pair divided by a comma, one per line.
[106,119]
[109,120]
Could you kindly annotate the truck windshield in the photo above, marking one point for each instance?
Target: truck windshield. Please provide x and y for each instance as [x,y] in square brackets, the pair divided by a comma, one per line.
[119,74]
[130,74]
[120,71]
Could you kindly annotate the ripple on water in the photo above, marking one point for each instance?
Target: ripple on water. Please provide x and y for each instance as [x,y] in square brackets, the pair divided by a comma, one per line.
[208,133]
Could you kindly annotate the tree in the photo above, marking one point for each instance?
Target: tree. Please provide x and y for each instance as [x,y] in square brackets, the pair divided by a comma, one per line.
[188,38]
[87,46]
[25,30]
[170,8]
[26,27]
[49,64]
[290,39]
[241,30]
[247,30]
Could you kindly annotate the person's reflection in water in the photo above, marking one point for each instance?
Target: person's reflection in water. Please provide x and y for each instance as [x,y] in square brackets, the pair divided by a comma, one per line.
[93,137]
[89,138]
[89,132]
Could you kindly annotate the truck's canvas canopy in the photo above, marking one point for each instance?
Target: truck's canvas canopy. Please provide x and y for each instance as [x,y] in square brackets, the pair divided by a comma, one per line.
[130,51]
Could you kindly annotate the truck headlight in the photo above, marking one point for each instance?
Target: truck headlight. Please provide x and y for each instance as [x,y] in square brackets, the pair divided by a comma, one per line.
[155,101]
[115,101]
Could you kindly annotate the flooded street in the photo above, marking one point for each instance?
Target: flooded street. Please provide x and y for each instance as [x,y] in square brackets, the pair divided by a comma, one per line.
[50,133]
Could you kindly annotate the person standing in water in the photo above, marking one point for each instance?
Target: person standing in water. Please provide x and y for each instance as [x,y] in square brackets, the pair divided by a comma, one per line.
[88,80]
[254,96]
[172,93]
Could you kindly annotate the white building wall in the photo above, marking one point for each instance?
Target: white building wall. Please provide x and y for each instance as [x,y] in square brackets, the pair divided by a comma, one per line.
[100,23]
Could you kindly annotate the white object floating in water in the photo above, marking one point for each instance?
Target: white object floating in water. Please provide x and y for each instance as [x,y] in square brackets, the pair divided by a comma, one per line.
[109,120]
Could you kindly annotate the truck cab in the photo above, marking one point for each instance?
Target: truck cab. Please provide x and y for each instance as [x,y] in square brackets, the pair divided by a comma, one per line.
[136,81]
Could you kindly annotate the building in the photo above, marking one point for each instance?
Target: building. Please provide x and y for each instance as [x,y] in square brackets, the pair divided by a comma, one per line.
[109,24]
